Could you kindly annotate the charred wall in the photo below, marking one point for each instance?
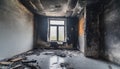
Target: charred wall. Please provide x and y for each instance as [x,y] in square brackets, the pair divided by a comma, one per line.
[16,28]
[92,30]
[72,31]
[41,25]
[102,30]
[110,34]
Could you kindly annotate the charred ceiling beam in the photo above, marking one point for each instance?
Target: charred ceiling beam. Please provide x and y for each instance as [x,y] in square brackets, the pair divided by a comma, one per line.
[52,7]
[73,8]
[34,6]
[68,11]
[79,6]
[38,4]
[77,9]
[28,4]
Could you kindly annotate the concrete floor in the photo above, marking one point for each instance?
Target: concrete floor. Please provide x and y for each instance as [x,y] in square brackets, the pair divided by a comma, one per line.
[66,59]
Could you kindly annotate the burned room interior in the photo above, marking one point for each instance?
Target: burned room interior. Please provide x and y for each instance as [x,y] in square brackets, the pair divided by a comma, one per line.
[59,34]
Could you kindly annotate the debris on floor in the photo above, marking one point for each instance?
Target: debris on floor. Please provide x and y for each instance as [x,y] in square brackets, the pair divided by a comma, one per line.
[49,53]
[54,59]
[109,66]
[17,59]
[64,64]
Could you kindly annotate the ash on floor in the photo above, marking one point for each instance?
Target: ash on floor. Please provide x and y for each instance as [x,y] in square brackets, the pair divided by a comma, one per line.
[65,59]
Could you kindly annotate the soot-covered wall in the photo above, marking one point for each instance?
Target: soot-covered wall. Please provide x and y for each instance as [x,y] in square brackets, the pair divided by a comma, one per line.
[92,33]
[41,27]
[72,31]
[110,30]
[16,28]
[41,30]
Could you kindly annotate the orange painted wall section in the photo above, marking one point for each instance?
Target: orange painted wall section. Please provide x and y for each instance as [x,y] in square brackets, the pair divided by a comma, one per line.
[81,26]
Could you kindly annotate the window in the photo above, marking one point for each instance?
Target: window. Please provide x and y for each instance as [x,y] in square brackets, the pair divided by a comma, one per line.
[55,22]
[61,33]
[57,30]
[53,33]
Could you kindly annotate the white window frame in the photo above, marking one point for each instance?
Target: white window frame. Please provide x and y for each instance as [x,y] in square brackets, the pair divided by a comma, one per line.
[65,29]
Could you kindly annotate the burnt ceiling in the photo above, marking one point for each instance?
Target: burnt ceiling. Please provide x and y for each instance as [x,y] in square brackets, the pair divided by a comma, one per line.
[55,7]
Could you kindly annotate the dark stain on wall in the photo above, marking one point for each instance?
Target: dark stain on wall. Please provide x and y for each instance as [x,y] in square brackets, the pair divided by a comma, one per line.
[92,31]
[110,31]
[72,31]
[40,31]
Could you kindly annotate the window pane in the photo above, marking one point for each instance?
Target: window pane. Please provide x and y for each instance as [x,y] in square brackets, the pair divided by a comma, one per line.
[61,33]
[53,33]
[56,22]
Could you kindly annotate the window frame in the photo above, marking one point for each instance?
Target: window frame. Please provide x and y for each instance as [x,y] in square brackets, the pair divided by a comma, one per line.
[65,29]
